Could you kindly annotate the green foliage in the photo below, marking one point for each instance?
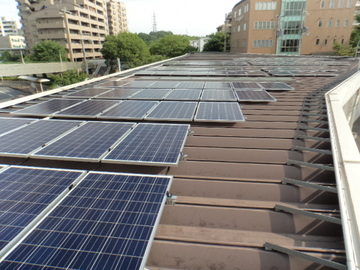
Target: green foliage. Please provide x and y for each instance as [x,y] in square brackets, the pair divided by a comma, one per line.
[67,77]
[171,46]
[130,48]
[48,51]
[153,36]
[6,56]
[216,43]
[343,50]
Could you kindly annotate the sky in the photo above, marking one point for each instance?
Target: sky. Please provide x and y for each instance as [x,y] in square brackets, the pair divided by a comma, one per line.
[182,17]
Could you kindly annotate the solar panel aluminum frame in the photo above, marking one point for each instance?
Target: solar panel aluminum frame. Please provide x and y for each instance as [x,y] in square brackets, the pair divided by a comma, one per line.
[256,100]
[33,224]
[217,120]
[17,155]
[159,119]
[93,160]
[149,163]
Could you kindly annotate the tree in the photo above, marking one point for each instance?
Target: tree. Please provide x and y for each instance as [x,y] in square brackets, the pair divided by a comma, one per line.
[6,56]
[68,77]
[49,51]
[130,48]
[343,50]
[216,43]
[171,46]
[154,36]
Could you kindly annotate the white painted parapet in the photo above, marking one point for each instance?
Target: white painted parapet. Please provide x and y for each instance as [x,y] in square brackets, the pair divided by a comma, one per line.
[343,109]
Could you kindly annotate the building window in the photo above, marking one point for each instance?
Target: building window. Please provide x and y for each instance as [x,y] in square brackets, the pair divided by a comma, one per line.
[263,43]
[291,27]
[294,8]
[329,23]
[346,23]
[338,23]
[235,14]
[264,25]
[349,4]
[341,3]
[320,23]
[332,4]
[246,8]
[239,28]
[325,42]
[334,40]
[265,5]
[290,45]
[322,4]
[342,41]
[317,42]
[245,25]
[239,11]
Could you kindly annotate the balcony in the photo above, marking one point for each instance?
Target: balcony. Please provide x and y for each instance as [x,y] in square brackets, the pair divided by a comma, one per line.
[52,25]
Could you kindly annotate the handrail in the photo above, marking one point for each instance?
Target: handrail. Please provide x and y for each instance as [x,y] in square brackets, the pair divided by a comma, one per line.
[340,103]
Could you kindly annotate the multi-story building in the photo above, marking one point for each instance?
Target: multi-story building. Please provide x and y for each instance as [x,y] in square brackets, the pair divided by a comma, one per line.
[291,27]
[117,17]
[8,27]
[79,25]
[12,42]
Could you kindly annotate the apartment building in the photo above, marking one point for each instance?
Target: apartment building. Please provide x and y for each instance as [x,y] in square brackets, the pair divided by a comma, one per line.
[12,42]
[79,25]
[291,27]
[117,17]
[8,27]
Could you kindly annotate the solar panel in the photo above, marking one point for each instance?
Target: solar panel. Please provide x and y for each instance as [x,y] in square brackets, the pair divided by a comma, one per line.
[8,124]
[219,112]
[165,84]
[255,96]
[87,93]
[119,94]
[219,85]
[178,94]
[279,86]
[129,109]
[151,94]
[108,221]
[246,85]
[173,110]
[151,144]
[139,84]
[26,192]
[112,84]
[48,107]
[87,109]
[190,85]
[23,141]
[87,143]
[218,95]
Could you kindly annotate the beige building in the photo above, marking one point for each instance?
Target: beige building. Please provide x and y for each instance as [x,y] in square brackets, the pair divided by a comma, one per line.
[8,27]
[117,17]
[291,27]
[12,42]
[79,25]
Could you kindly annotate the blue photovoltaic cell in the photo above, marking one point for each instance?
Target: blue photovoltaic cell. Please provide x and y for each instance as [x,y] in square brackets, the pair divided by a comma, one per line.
[107,222]
[154,144]
[255,96]
[129,109]
[246,85]
[193,94]
[119,94]
[112,84]
[89,108]
[89,141]
[219,112]
[173,110]
[88,92]
[165,84]
[25,140]
[218,95]
[152,94]
[48,107]
[25,192]
[139,84]
[8,124]
[190,85]
[218,85]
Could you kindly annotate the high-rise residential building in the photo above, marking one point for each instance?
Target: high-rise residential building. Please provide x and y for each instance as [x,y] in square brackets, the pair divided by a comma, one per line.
[79,25]
[12,42]
[117,17]
[8,27]
[291,27]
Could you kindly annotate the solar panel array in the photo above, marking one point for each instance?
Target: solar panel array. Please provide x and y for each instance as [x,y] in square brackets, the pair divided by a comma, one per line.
[106,221]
